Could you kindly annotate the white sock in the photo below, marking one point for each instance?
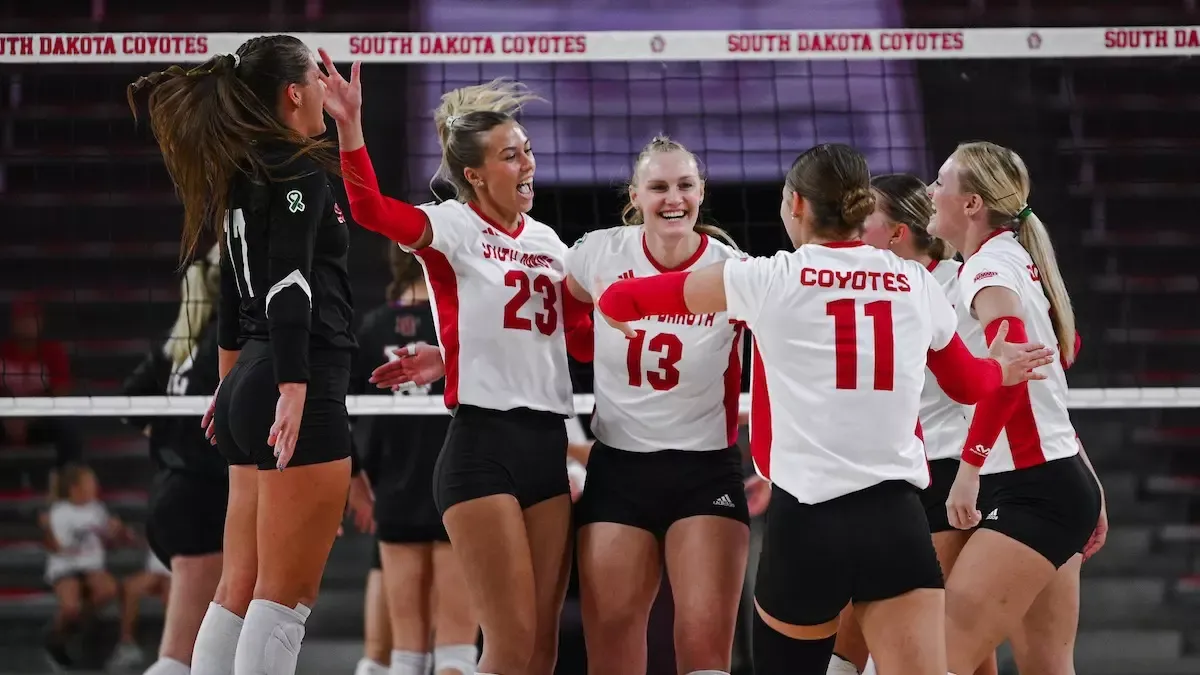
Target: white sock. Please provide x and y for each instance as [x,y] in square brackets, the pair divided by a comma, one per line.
[462,658]
[410,663]
[840,666]
[271,639]
[216,642]
[166,666]
[870,669]
[370,667]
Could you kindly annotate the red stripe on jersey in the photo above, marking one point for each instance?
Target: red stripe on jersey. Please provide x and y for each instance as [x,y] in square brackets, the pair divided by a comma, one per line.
[760,417]
[1023,439]
[921,437]
[497,226]
[444,285]
[849,243]
[933,265]
[733,384]
[681,266]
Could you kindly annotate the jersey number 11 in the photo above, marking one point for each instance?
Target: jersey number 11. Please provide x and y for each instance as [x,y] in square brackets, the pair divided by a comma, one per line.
[845,340]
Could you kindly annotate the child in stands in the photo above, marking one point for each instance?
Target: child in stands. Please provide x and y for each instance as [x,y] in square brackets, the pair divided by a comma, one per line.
[77,528]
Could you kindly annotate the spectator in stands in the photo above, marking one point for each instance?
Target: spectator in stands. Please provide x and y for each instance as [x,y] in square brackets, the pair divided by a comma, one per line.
[153,581]
[31,365]
[78,527]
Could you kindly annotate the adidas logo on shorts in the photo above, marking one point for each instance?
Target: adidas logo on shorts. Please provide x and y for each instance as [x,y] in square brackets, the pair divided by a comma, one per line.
[723,500]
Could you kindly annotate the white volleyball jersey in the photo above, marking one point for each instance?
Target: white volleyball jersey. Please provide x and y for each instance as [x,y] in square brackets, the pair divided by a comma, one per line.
[497,303]
[841,336]
[1040,429]
[944,421]
[676,385]
[77,528]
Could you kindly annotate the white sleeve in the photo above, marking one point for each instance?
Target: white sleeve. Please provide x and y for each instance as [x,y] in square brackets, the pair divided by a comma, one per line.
[581,261]
[942,318]
[61,526]
[984,270]
[449,223]
[748,283]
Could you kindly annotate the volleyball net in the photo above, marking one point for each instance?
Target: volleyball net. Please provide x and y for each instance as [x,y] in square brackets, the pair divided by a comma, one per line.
[1101,116]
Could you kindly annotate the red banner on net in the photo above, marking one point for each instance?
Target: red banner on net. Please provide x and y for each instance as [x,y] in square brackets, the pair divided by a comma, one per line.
[547,46]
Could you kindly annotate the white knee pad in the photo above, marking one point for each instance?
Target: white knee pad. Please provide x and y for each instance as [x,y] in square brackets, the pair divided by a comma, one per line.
[271,638]
[456,657]
[166,666]
[216,642]
[410,663]
[840,666]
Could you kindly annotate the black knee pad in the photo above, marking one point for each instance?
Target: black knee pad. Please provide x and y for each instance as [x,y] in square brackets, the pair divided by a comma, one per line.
[778,654]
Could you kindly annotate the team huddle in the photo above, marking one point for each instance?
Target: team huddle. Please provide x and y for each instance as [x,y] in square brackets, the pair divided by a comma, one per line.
[928,497]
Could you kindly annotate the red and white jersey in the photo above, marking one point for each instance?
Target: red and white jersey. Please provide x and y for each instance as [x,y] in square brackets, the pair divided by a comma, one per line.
[1040,429]
[676,385]
[498,308]
[944,421]
[841,335]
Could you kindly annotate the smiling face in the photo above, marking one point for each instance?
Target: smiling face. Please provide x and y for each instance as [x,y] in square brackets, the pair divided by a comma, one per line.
[505,178]
[951,207]
[667,192]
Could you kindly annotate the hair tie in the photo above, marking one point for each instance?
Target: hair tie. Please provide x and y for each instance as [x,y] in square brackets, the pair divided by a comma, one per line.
[450,120]
[1024,213]
[237,60]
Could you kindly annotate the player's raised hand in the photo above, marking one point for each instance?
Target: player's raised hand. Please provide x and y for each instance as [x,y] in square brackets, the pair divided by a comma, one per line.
[343,98]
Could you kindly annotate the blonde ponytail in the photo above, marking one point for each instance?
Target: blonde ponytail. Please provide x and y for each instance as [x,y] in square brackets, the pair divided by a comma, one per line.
[1033,236]
[999,176]
[197,294]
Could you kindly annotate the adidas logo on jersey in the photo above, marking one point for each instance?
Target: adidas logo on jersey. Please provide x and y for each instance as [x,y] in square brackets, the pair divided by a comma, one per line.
[723,500]
[992,515]
[628,274]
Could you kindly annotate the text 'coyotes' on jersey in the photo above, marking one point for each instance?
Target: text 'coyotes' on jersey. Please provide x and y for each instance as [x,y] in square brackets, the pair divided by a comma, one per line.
[498,305]
[676,385]
[841,336]
[283,272]
[1040,429]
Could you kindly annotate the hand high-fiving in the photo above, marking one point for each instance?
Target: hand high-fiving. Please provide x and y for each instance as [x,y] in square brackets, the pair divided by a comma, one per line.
[343,99]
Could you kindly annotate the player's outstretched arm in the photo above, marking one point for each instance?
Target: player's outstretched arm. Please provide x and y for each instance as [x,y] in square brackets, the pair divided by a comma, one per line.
[699,292]
[401,222]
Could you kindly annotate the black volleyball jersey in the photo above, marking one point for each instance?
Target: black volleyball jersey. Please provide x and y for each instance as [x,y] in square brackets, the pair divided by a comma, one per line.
[283,270]
[178,442]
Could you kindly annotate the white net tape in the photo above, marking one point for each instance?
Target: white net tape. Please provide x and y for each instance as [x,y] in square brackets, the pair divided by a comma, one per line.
[104,406]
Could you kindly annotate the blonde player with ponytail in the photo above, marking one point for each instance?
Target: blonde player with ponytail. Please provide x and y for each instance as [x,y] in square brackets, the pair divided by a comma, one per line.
[500,484]
[186,520]
[1018,575]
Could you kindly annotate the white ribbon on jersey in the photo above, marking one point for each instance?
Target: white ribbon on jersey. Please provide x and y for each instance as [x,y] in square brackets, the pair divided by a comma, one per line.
[295,278]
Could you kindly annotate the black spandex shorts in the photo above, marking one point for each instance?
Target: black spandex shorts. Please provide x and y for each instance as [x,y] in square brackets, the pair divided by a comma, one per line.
[186,514]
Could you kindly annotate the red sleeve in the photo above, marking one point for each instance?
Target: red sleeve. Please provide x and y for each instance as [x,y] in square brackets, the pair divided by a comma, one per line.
[399,221]
[633,299]
[577,323]
[993,412]
[58,366]
[964,378]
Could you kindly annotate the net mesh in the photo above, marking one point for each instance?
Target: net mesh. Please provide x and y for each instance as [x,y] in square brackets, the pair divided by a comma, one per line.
[1100,115]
